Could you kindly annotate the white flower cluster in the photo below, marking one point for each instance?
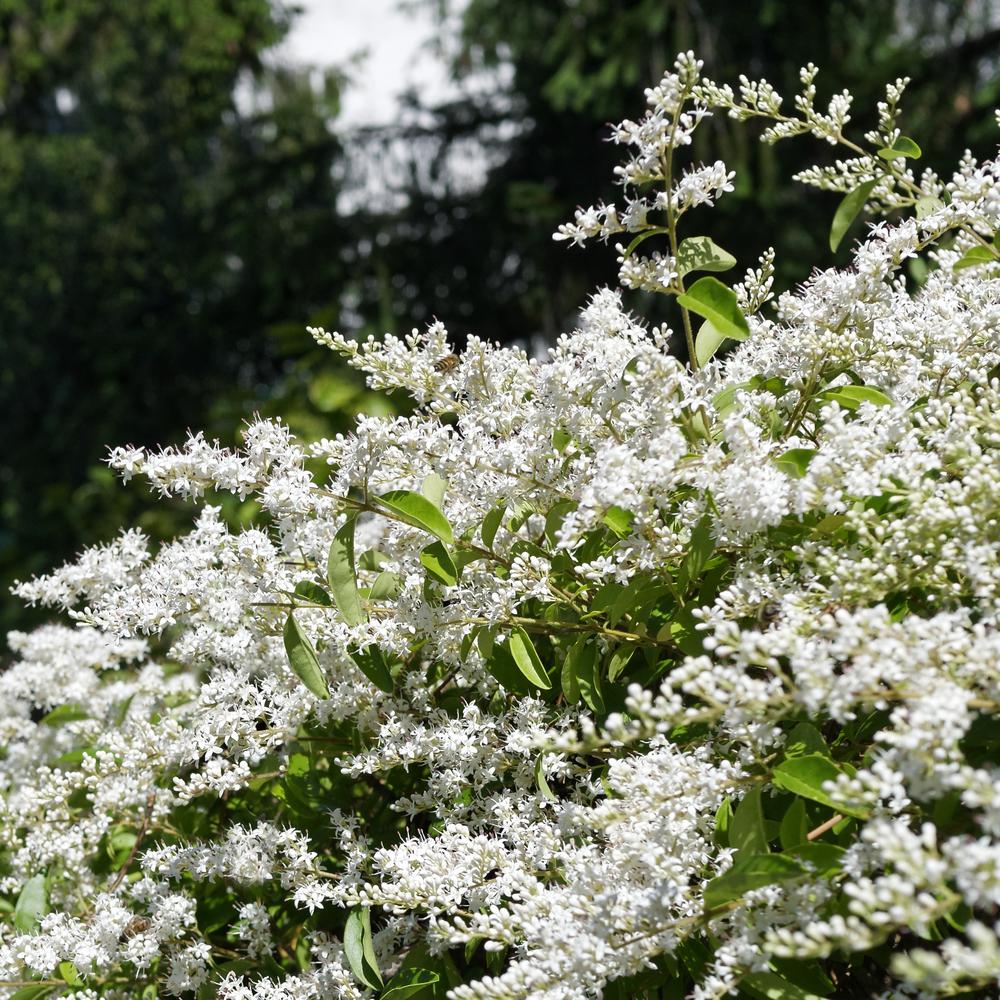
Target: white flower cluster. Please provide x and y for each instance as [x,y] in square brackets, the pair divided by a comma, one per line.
[603,673]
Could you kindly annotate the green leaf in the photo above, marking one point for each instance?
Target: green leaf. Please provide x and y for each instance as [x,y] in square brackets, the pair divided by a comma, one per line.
[642,237]
[32,904]
[700,253]
[794,825]
[746,831]
[903,146]
[805,738]
[795,461]
[437,560]
[708,340]
[805,776]
[723,821]
[433,488]
[850,397]
[69,974]
[372,664]
[340,574]
[712,300]
[540,779]
[808,974]
[748,873]
[926,205]
[700,550]
[372,560]
[488,531]
[974,257]
[618,520]
[848,210]
[302,659]
[567,676]
[358,948]
[523,651]
[33,992]
[826,858]
[386,585]
[64,713]
[771,986]
[580,672]
[412,508]
[409,983]
[313,593]
[619,661]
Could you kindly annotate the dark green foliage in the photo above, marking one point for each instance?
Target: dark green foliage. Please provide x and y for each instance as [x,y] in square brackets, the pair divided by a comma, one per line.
[163,243]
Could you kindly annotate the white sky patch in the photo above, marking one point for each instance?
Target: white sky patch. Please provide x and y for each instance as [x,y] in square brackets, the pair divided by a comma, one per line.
[395,46]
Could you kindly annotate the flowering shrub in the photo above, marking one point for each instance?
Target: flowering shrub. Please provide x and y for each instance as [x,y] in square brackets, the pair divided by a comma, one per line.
[605,676]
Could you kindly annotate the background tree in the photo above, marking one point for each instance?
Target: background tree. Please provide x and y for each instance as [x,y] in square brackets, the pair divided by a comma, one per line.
[539,80]
[168,227]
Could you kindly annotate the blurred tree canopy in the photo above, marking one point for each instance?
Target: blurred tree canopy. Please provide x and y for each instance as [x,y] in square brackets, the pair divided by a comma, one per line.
[174,209]
[543,80]
[168,226]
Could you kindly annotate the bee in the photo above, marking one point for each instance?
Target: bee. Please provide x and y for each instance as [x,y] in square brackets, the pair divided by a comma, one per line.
[447,364]
[135,926]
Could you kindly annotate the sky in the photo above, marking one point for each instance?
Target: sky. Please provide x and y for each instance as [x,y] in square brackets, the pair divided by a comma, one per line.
[330,32]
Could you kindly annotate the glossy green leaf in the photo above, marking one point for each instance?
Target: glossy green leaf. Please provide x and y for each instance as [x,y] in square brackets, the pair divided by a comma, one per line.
[927,205]
[523,651]
[806,775]
[699,551]
[850,397]
[808,974]
[313,593]
[409,983]
[372,560]
[500,664]
[712,300]
[341,576]
[795,461]
[69,974]
[903,146]
[567,677]
[700,253]
[827,859]
[64,713]
[618,520]
[359,951]
[386,585]
[975,256]
[643,236]
[415,509]
[723,821]
[848,210]
[794,825]
[33,992]
[488,531]
[433,488]
[619,661]
[747,834]
[805,738]
[302,659]
[437,560]
[750,872]
[371,663]
[540,780]
[32,904]
[771,986]
[582,662]
[707,341]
